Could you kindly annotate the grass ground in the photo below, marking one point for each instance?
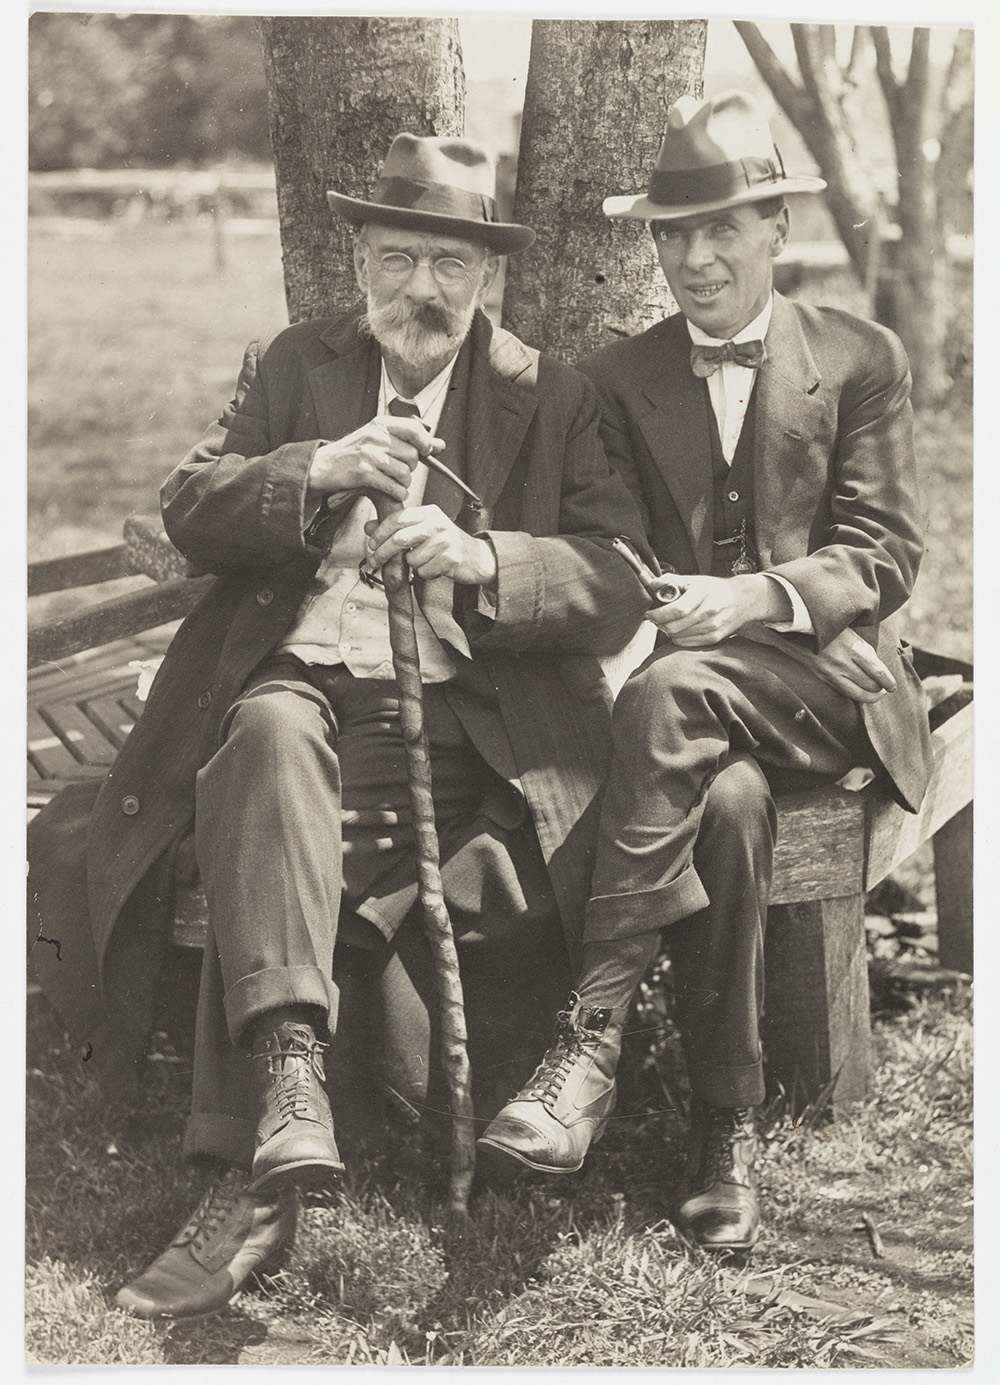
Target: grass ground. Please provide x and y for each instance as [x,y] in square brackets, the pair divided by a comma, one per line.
[135,341]
[582,1270]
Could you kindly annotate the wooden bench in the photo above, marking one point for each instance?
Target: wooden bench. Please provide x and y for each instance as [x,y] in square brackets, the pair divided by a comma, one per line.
[834,846]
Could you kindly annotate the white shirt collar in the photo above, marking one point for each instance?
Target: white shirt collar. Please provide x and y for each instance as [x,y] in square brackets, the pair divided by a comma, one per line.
[427,398]
[753,331]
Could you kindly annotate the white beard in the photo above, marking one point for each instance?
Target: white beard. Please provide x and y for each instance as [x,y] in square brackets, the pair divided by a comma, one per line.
[418,336]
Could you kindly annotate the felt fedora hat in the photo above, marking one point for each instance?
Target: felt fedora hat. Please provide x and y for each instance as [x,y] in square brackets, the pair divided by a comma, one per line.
[437,183]
[715,153]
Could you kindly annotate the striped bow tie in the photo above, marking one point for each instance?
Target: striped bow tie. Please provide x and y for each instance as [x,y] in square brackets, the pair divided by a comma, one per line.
[705,360]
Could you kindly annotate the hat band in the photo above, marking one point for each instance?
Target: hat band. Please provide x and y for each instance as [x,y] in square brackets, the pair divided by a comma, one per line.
[408,194]
[713,184]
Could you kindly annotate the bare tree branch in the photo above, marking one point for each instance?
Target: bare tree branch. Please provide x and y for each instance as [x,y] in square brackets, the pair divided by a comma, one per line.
[886,73]
[827,44]
[859,46]
[909,279]
[790,97]
[957,90]
[915,87]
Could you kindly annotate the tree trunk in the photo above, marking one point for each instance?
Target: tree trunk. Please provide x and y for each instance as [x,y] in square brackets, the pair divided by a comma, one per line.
[595,108]
[339,90]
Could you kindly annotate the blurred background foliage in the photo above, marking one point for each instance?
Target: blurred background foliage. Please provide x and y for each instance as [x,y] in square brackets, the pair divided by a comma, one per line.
[145,90]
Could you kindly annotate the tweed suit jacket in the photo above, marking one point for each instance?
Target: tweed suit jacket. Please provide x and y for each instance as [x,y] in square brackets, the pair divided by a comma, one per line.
[529,689]
[836,507]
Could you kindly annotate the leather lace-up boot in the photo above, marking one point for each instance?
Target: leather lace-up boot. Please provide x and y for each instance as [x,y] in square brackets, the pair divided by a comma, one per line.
[719,1206]
[231,1235]
[295,1143]
[551,1122]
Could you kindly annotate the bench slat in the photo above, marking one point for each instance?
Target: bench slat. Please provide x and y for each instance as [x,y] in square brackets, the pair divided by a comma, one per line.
[893,834]
[151,552]
[112,620]
[79,570]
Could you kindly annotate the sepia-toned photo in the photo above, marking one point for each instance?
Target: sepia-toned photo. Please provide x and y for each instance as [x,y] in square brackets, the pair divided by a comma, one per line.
[500,692]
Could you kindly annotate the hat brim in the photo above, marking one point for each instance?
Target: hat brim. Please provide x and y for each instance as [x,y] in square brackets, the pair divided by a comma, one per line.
[503,237]
[640,208]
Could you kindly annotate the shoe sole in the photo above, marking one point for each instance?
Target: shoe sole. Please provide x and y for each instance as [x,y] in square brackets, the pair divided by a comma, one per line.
[268,1268]
[489,1148]
[303,1173]
[173,1317]
[688,1232]
[491,1151]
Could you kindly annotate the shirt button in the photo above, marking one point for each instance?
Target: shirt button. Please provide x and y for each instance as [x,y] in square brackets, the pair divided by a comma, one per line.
[204,700]
[344,647]
[734,495]
[265,596]
[350,607]
[130,805]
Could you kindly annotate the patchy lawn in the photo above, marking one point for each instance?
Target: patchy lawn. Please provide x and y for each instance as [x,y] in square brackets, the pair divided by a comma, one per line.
[582,1270]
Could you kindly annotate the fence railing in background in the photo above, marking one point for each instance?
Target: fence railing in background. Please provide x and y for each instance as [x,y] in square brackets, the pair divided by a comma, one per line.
[227,195]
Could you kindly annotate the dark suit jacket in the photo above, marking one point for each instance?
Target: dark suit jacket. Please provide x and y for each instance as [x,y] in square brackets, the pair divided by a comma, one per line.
[835,493]
[529,689]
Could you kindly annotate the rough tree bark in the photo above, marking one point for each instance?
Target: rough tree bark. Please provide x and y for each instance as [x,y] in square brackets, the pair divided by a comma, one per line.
[339,90]
[596,103]
[930,121]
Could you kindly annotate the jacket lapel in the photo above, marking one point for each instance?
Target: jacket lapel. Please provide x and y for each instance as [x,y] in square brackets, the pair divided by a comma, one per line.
[452,428]
[788,414]
[675,428]
[345,389]
[501,403]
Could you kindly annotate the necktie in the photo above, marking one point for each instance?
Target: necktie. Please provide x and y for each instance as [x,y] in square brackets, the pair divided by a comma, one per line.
[705,360]
[405,408]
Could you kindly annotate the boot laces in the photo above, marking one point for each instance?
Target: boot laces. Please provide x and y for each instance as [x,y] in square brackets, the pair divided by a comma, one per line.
[726,1128]
[294,1065]
[215,1206]
[572,1042]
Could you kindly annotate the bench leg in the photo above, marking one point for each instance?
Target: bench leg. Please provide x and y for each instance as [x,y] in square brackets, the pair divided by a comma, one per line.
[817,1025]
[953,887]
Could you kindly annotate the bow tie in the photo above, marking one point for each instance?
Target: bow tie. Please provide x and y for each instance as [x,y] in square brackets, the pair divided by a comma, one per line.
[705,360]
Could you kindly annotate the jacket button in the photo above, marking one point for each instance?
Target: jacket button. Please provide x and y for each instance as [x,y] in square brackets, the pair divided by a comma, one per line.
[204,700]
[265,596]
[801,714]
[734,496]
[130,805]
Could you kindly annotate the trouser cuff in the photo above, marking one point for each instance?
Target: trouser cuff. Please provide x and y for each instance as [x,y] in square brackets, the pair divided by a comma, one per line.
[211,1136]
[612,916]
[722,1084]
[261,991]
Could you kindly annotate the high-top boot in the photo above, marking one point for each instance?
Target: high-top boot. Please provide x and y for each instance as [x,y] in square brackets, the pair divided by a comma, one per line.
[551,1122]
[295,1144]
[718,1203]
[231,1235]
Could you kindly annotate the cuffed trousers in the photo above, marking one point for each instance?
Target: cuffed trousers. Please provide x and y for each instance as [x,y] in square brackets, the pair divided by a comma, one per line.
[302,818]
[702,738]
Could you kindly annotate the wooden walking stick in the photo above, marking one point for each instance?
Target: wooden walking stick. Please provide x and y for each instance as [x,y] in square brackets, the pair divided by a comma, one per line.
[454,1036]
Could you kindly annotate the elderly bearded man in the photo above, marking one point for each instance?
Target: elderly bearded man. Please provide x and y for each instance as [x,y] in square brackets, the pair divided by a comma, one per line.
[274,717]
[770,445]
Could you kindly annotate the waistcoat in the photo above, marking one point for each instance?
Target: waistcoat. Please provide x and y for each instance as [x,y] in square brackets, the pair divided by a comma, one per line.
[729,514]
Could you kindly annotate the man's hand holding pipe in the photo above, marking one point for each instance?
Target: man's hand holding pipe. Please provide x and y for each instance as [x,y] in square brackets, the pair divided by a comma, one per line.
[379,456]
[710,609]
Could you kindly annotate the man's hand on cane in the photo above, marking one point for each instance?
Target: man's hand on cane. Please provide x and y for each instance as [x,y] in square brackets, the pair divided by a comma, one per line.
[433,545]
